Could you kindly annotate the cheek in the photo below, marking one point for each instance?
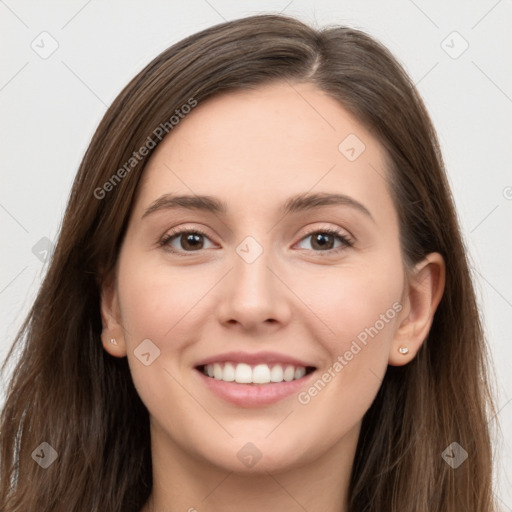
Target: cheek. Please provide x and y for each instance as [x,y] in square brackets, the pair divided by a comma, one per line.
[355,303]
[359,308]
[158,303]
[154,299]
[363,318]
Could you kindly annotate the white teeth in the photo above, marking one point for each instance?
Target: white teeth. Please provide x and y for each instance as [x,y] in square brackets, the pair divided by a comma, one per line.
[261,374]
[299,373]
[276,374]
[217,371]
[243,373]
[258,374]
[229,373]
[289,373]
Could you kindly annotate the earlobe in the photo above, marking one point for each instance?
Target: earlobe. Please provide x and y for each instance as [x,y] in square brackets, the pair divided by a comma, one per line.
[424,291]
[112,334]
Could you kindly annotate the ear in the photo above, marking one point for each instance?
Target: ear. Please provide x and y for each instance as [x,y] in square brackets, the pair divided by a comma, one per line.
[423,292]
[112,334]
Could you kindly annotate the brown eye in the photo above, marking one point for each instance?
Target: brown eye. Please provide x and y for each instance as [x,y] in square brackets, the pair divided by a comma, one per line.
[324,240]
[185,241]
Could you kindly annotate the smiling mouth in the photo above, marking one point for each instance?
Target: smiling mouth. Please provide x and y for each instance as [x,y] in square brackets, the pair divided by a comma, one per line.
[242,373]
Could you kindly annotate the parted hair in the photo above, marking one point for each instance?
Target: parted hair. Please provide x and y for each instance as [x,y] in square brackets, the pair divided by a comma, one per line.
[66,390]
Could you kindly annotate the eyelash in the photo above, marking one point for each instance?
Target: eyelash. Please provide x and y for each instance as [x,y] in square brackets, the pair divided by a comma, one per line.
[347,242]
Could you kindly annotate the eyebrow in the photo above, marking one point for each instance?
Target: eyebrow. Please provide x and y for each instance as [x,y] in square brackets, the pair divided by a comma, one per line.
[297,203]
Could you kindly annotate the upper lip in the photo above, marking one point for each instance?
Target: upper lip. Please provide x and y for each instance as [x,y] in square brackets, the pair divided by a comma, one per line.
[254,358]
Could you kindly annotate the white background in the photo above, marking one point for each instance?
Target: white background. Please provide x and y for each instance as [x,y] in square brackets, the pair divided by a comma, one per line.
[51,107]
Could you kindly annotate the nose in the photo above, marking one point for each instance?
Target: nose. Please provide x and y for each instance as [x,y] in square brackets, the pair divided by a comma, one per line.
[254,296]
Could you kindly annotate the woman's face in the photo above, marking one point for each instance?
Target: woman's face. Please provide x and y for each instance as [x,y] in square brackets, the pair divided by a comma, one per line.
[297,264]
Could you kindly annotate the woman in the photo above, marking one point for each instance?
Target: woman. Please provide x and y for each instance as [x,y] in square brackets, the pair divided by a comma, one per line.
[259,299]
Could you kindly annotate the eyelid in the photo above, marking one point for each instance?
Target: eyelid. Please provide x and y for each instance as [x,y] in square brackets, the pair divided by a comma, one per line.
[346,240]
[176,232]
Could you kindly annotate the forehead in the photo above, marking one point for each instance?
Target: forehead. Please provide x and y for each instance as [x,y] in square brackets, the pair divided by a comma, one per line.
[256,147]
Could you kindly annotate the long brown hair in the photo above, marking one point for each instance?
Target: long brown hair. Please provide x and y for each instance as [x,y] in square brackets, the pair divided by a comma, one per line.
[67,391]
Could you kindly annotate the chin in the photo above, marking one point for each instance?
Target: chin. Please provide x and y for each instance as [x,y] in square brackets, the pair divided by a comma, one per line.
[244,456]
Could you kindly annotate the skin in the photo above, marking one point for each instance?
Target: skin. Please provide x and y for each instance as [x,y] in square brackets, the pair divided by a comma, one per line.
[253,150]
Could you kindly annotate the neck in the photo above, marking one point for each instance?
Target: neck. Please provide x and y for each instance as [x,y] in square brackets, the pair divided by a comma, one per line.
[184,482]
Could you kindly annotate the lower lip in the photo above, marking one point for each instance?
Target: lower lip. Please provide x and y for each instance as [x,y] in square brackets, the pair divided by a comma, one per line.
[253,395]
